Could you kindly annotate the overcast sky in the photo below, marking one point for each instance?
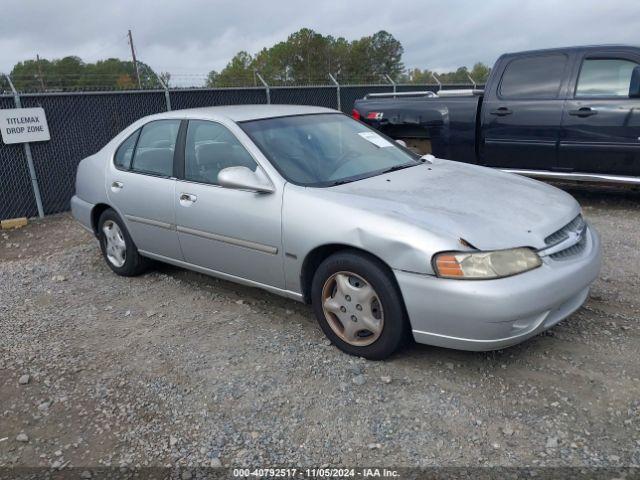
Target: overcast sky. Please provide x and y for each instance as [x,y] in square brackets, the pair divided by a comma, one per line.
[196,36]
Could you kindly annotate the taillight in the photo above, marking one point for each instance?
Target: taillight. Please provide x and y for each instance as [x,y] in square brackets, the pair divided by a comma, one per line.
[375,115]
[355,114]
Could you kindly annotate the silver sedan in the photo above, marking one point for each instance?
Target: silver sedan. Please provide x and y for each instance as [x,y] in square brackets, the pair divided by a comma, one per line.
[310,204]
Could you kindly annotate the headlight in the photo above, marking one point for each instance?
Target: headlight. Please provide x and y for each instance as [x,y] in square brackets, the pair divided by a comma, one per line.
[483,265]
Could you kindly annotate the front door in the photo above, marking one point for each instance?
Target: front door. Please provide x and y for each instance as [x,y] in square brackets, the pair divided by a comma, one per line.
[521,117]
[142,189]
[236,232]
[601,124]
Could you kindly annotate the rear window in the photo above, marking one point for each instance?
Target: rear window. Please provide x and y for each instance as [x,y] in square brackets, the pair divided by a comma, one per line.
[155,147]
[533,77]
[606,77]
[124,154]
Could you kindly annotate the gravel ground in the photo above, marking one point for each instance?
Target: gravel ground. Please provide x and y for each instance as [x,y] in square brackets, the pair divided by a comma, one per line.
[175,368]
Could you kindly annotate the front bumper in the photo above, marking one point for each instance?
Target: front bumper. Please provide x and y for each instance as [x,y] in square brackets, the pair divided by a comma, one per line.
[493,314]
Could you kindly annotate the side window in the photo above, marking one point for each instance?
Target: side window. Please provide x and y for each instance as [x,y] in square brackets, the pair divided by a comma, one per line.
[122,158]
[605,78]
[533,77]
[154,152]
[211,147]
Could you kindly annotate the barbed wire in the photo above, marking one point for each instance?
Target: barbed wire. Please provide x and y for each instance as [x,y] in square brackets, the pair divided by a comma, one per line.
[79,82]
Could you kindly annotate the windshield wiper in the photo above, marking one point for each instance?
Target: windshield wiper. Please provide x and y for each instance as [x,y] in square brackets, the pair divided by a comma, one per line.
[398,167]
[372,174]
[341,182]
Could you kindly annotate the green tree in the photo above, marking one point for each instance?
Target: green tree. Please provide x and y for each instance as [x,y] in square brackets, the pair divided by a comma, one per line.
[340,56]
[417,76]
[359,66]
[148,77]
[72,73]
[307,57]
[310,59]
[238,72]
[458,76]
[275,63]
[39,75]
[212,79]
[386,54]
[480,72]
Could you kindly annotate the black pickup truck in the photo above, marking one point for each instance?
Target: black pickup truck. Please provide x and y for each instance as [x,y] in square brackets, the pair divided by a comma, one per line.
[567,113]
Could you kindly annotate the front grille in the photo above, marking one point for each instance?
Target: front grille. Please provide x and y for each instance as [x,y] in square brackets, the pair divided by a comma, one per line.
[571,251]
[574,226]
[562,234]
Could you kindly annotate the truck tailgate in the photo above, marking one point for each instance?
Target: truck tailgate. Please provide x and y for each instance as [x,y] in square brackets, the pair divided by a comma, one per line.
[446,126]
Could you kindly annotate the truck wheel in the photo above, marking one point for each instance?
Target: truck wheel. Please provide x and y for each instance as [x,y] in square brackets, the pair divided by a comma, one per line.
[117,247]
[358,305]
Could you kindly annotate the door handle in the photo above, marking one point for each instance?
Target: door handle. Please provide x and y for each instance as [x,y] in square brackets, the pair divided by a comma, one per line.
[187,199]
[501,111]
[583,112]
[115,186]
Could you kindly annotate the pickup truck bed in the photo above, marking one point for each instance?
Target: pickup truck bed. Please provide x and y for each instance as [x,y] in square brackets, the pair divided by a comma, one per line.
[571,113]
[443,126]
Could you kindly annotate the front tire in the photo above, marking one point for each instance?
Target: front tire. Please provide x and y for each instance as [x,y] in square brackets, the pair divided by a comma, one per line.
[358,305]
[118,249]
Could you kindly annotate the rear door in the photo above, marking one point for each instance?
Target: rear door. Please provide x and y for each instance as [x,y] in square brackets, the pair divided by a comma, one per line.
[521,116]
[141,187]
[601,124]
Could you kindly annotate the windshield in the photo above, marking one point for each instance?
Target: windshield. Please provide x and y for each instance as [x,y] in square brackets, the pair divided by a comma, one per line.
[325,149]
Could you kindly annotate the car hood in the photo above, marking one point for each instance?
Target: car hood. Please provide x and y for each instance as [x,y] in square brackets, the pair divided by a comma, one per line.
[486,208]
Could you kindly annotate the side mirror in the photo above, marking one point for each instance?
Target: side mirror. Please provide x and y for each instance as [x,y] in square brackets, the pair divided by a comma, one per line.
[634,85]
[428,158]
[244,178]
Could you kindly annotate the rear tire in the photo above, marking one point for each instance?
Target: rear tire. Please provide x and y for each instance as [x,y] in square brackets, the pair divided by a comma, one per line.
[117,246]
[358,305]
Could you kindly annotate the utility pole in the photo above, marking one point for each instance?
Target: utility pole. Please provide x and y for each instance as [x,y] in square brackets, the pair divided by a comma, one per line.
[135,62]
[42,86]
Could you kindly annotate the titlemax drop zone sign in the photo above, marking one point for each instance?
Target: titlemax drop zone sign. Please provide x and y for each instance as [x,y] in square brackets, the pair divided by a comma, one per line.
[21,125]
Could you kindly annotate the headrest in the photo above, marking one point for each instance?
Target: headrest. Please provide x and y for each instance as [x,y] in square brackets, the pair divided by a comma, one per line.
[208,153]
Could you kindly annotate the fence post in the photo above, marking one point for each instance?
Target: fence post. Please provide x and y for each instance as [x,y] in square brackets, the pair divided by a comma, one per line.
[266,87]
[473,82]
[335,82]
[165,87]
[437,81]
[27,152]
[390,80]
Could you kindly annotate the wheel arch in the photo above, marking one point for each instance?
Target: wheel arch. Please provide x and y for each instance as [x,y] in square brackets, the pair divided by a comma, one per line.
[315,257]
[96,211]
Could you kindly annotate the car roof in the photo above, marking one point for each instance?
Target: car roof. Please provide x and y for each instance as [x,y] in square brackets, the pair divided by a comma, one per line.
[241,113]
[576,48]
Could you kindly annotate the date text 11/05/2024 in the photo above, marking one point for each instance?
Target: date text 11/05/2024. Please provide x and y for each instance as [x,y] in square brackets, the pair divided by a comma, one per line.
[316,472]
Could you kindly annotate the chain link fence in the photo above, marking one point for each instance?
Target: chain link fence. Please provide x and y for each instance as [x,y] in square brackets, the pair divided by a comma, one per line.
[81,123]
[322,96]
[16,195]
[204,97]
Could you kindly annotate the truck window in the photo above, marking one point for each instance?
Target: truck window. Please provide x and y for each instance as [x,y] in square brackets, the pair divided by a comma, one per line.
[602,77]
[539,76]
